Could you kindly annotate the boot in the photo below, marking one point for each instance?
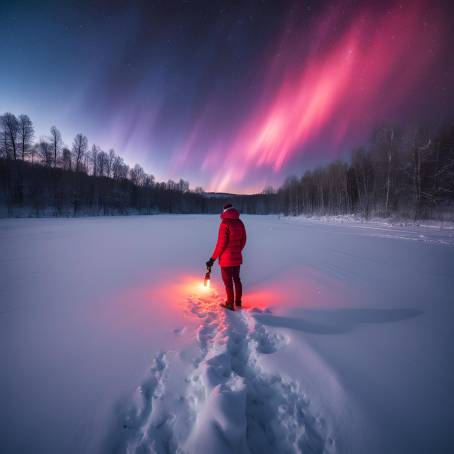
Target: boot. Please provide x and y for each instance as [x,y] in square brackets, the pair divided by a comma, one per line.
[238,304]
[228,306]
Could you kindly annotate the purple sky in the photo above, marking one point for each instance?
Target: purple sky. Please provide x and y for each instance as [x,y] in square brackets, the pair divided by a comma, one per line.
[230,97]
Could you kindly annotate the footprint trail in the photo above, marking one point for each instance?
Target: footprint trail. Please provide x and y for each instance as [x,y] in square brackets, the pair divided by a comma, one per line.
[216,396]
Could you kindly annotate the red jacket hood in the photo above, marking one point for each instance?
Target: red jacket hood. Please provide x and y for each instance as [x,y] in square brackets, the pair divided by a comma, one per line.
[231,213]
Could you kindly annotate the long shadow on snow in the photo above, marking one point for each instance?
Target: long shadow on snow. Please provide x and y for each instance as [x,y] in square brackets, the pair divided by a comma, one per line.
[337,321]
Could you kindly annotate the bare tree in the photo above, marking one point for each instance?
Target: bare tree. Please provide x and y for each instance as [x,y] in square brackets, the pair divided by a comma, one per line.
[102,163]
[124,171]
[110,161]
[384,149]
[422,148]
[137,175]
[4,144]
[117,163]
[10,127]
[149,181]
[67,159]
[364,178]
[93,159]
[291,187]
[119,169]
[34,150]
[46,153]
[443,169]
[79,148]
[56,143]
[183,186]
[389,162]
[26,133]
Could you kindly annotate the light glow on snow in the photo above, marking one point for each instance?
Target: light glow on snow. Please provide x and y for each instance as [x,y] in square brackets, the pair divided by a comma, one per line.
[191,285]
[355,310]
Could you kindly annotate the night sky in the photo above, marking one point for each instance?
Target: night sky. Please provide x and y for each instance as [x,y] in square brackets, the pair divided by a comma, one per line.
[229,95]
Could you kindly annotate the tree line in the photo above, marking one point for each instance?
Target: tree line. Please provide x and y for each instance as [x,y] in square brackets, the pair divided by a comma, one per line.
[401,171]
[408,172]
[48,178]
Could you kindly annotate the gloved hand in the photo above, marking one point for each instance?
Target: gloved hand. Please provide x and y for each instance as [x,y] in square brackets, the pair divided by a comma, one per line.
[210,263]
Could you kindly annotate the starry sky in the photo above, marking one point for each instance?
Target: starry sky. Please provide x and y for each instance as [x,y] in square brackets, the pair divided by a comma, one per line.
[230,95]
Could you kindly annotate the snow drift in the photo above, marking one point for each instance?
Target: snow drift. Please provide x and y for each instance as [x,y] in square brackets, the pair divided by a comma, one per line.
[109,342]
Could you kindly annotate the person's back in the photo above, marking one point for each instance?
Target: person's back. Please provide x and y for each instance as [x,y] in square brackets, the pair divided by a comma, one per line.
[234,236]
[231,241]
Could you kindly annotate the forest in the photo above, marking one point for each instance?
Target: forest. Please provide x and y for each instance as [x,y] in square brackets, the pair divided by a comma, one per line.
[404,172]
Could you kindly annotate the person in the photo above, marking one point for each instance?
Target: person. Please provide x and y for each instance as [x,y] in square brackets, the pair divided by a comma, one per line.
[231,241]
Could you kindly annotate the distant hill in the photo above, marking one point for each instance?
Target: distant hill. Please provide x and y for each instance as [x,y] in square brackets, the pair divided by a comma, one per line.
[219,195]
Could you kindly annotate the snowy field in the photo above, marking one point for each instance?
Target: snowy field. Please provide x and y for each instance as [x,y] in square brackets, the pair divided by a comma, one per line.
[109,343]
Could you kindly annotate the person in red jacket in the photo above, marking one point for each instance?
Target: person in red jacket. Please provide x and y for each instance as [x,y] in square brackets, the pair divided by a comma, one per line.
[231,241]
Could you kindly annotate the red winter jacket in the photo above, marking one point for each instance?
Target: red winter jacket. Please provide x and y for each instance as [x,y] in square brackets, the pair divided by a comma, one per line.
[231,239]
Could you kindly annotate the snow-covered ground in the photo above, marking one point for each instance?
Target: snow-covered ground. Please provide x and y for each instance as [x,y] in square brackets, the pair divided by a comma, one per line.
[109,343]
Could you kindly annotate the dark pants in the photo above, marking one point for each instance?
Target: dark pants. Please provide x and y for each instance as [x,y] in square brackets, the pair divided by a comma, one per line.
[231,276]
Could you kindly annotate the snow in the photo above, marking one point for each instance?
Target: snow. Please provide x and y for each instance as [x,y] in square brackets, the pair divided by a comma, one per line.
[109,342]
[426,230]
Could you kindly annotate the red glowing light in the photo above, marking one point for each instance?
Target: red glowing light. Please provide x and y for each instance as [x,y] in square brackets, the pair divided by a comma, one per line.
[370,69]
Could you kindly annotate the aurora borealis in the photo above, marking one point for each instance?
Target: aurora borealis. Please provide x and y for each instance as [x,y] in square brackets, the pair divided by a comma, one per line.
[232,96]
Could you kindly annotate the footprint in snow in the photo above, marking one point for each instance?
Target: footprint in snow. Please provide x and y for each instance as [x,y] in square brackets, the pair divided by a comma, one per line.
[227,402]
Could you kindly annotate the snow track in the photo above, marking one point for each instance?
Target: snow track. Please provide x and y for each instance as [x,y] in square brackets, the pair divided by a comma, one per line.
[217,397]
[356,348]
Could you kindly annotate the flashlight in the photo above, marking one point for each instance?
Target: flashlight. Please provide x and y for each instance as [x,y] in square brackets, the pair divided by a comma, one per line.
[206,281]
